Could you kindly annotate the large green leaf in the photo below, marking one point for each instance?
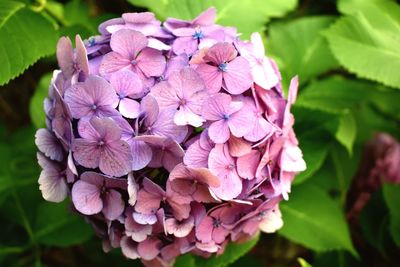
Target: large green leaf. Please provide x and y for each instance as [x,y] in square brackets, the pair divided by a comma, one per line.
[7,9]
[300,48]
[230,13]
[24,38]
[391,194]
[354,6]
[314,220]
[57,226]
[367,42]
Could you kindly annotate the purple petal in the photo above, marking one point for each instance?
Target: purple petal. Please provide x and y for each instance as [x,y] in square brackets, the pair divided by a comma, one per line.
[49,145]
[126,83]
[219,131]
[238,147]
[86,198]
[113,62]
[129,248]
[151,62]
[86,153]
[129,108]
[179,228]
[237,78]
[65,56]
[247,164]
[149,248]
[52,183]
[221,53]
[211,76]
[81,55]
[128,43]
[145,218]
[113,205]
[116,159]
[216,106]
[141,154]
[133,188]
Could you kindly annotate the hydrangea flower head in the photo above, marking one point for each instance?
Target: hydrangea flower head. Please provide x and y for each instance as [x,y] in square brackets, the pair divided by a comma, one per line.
[169,138]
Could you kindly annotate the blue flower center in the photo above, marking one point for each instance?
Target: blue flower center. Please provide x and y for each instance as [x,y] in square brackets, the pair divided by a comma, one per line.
[198,34]
[133,62]
[121,96]
[226,116]
[223,67]
[91,41]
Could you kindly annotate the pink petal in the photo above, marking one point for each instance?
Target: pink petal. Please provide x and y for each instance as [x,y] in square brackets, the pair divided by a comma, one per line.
[126,83]
[133,188]
[196,156]
[165,95]
[145,218]
[116,159]
[52,185]
[220,53]
[204,229]
[292,159]
[237,78]
[81,55]
[113,205]
[141,154]
[206,18]
[49,145]
[239,121]
[65,56]
[128,43]
[150,107]
[129,108]
[219,131]
[129,248]
[185,116]
[151,62]
[149,248]
[179,228]
[247,164]
[164,126]
[211,76]
[238,147]
[219,234]
[113,62]
[86,153]
[185,45]
[261,128]
[216,106]
[138,232]
[86,198]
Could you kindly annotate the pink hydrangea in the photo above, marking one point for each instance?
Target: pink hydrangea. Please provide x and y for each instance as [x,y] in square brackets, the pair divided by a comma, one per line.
[170,138]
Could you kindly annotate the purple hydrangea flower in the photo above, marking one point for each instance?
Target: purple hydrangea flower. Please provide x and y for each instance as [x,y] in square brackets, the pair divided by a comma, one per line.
[170,138]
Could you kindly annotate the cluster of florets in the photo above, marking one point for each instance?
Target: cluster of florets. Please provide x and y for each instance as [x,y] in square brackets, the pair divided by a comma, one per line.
[169,139]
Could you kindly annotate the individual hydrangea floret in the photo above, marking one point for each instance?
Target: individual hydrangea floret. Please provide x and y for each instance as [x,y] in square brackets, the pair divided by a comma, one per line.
[170,138]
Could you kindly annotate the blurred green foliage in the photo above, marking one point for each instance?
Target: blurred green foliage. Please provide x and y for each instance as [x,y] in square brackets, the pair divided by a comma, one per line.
[346,55]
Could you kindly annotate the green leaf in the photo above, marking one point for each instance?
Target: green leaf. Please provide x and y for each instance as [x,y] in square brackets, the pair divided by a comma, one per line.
[36,109]
[229,13]
[335,94]
[57,226]
[314,220]
[314,151]
[346,134]
[354,6]
[8,9]
[24,38]
[187,260]
[301,48]
[231,254]
[366,43]
[391,194]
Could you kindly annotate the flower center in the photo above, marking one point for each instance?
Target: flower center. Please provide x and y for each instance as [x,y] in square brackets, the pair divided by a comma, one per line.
[91,41]
[182,102]
[231,166]
[198,34]
[121,96]
[133,62]
[216,223]
[223,67]
[94,107]
[226,116]
[101,143]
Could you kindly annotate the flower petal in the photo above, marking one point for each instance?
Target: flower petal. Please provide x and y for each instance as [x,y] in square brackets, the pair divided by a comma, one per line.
[237,78]
[86,198]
